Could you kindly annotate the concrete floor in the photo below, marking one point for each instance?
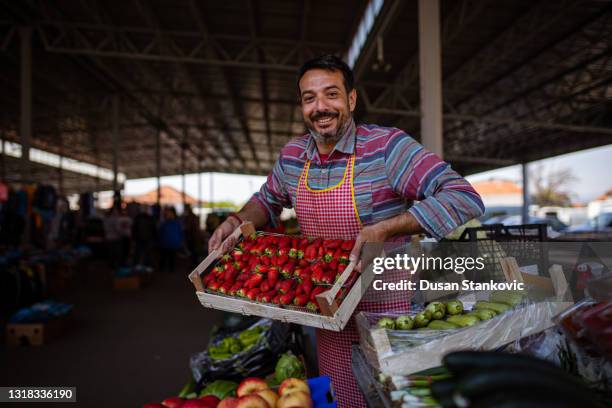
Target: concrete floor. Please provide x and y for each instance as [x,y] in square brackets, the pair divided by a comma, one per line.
[124,349]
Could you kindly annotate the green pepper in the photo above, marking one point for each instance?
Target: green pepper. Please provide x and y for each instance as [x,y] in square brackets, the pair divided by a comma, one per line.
[250,337]
[454,307]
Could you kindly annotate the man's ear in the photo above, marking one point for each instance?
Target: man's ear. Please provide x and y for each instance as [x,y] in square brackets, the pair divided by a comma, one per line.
[352,97]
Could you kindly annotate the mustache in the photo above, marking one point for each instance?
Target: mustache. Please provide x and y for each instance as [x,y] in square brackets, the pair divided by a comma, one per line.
[321,115]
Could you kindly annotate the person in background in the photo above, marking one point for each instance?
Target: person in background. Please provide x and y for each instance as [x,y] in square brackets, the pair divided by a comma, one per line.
[112,236]
[212,222]
[193,235]
[125,228]
[170,240]
[144,235]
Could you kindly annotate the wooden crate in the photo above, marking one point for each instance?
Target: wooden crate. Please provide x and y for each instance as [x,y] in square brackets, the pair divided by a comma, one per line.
[332,316]
[487,335]
[36,334]
[131,282]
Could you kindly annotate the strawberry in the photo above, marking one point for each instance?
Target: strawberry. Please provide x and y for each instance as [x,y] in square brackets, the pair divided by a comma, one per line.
[320,252]
[310,254]
[243,277]
[347,246]
[266,297]
[218,270]
[328,278]
[344,258]
[237,254]
[226,287]
[271,250]
[283,252]
[214,285]
[282,260]
[300,300]
[292,253]
[317,273]
[332,243]
[286,298]
[287,270]
[273,281]
[307,287]
[242,292]
[239,265]
[333,266]
[317,290]
[234,289]
[276,299]
[265,286]
[256,250]
[284,243]
[285,286]
[226,258]
[266,260]
[260,269]
[252,294]
[207,279]
[253,281]
[230,274]
[273,273]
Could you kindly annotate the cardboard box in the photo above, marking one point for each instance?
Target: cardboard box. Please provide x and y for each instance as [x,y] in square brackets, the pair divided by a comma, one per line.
[131,282]
[36,334]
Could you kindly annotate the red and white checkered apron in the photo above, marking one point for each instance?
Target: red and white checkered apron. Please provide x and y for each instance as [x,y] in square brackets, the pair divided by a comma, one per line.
[332,213]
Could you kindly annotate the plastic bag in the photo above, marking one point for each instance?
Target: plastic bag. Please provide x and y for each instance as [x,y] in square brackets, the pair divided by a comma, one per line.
[257,361]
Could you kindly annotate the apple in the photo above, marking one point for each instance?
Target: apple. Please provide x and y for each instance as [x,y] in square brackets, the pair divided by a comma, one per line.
[295,399]
[252,401]
[211,400]
[153,405]
[250,386]
[228,402]
[173,402]
[293,384]
[197,403]
[270,396]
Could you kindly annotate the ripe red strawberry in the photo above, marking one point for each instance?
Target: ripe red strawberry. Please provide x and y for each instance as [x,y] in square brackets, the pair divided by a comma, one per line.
[317,273]
[273,273]
[226,287]
[300,300]
[329,278]
[284,242]
[237,254]
[267,297]
[252,294]
[307,287]
[265,286]
[347,246]
[214,285]
[266,260]
[226,258]
[242,292]
[234,289]
[333,266]
[310,254]
[317,290]
[270,251]
[260,269]
[287,270]
[253,281]
[285,286]
[276,299]
[287,298]
[230,274]
[243,277]
[207,279]
[282,260]
[282,251]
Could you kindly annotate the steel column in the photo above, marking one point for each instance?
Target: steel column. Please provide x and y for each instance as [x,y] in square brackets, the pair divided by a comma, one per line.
[115,136]
[26,97]
[525,209]
[430,75]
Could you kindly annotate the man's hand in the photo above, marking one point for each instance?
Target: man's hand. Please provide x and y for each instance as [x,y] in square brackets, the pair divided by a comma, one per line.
[372,233]
[223,231]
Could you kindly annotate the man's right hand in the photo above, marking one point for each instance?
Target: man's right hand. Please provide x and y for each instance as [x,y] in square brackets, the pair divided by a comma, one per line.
[221,233]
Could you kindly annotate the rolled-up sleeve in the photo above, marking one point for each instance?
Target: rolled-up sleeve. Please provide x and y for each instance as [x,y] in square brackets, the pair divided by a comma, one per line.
[443,199]
[273,196]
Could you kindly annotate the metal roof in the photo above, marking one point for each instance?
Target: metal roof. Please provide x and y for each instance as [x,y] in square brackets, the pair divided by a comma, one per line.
[522,80]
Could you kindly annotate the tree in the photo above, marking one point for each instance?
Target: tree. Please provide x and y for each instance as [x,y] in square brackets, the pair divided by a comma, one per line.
[550,188]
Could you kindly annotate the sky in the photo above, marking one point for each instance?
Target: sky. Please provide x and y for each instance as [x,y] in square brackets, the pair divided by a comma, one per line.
[592,169]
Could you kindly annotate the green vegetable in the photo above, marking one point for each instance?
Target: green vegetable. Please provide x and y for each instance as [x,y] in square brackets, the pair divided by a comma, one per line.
[251,336]
[386,323]
[404,323]
[482,314]
[220,389]
[188,388]
[509,297]
[454,307]
[442,325]
[422,319]
[437,310]
[463,320]
[219,353]
[289,366]
[496,307]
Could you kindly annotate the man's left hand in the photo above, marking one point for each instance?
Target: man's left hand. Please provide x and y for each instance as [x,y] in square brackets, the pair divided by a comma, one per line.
[371,233]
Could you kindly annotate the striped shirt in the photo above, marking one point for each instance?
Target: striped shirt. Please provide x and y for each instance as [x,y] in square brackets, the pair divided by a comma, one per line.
[393,174]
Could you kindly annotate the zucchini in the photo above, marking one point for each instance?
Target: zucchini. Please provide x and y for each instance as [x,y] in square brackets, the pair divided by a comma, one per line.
[509,297]
[496,307]
[486,382]
[442,325]
[443,388]
[463,320]
[482,314]
[461,362]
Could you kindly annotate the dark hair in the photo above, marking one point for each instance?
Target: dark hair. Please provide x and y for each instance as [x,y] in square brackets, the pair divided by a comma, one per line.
[329,63]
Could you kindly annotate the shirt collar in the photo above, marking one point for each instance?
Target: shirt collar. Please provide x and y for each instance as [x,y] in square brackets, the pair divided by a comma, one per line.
[346,144]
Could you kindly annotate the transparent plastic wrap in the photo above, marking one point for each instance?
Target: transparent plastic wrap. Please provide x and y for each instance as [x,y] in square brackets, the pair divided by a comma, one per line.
[256,360]
[403,352]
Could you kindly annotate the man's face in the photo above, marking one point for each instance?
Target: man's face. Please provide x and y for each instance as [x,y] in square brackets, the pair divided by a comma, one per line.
[326,106]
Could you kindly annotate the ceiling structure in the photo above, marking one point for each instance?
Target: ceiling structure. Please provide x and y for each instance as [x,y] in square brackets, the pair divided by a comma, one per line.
[213,82]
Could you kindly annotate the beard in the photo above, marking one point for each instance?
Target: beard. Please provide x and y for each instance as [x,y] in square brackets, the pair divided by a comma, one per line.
[328,137]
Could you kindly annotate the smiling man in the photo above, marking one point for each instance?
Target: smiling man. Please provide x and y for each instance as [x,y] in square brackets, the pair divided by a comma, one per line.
[365,182]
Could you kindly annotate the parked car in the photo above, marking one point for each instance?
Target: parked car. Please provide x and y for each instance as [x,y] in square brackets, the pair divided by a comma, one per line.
[600,223]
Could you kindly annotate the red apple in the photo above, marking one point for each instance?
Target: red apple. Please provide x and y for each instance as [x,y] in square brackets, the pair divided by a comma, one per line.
[270,396]
[211,400]
[228,402]
[197,403]
[173,402]
[153,405]
[250,386]
[252,401]
[293,384]
[295,399]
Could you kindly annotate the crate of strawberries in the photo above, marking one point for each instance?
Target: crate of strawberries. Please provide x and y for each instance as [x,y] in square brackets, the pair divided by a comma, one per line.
[307,281]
